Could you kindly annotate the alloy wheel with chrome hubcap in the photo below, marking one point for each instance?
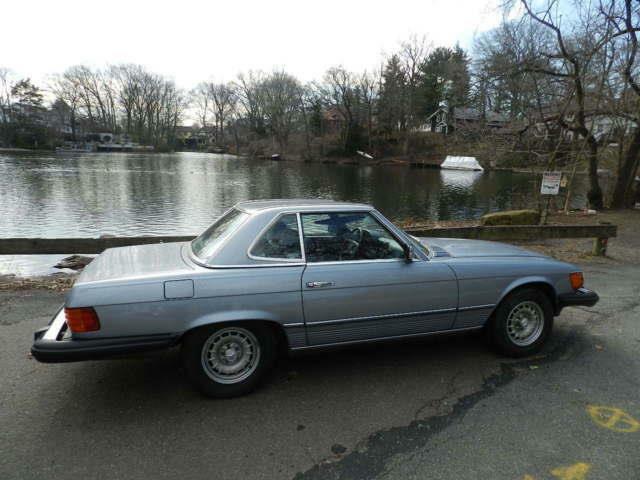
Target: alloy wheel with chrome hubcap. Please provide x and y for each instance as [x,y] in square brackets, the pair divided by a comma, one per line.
[522,322]
[230,355]
[525,322]
[228,360]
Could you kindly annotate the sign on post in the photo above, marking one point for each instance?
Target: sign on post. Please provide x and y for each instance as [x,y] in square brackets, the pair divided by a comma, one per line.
[550,183]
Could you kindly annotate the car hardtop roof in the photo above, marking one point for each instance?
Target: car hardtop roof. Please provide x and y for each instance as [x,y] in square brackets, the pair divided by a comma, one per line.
[255,206]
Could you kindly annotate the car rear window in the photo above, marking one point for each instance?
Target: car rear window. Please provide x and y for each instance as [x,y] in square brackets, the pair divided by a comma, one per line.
[208,242]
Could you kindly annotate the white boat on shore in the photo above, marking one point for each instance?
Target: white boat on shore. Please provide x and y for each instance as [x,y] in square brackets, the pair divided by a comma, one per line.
[461,163]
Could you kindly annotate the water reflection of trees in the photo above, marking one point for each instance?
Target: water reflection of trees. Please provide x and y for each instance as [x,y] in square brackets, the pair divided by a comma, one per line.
[134,194]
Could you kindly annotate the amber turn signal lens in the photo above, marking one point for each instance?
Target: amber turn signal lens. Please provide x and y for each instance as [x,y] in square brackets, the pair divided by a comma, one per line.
[577,280]
[80,320]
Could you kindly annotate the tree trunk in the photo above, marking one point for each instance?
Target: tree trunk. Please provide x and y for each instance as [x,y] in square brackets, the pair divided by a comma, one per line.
[623,191]
[307,135]
[73,125]
[237,139]
[594,195]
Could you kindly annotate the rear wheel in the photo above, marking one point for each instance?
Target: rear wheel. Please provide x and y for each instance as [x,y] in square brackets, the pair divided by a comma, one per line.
[522,323]
[228,360]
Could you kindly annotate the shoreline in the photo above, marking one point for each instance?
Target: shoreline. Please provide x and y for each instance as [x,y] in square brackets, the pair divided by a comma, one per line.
[426,162]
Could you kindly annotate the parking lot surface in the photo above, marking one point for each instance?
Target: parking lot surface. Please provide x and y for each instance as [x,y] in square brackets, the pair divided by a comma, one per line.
[445,408]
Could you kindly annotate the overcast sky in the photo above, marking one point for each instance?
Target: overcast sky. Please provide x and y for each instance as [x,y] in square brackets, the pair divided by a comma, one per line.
[192,41]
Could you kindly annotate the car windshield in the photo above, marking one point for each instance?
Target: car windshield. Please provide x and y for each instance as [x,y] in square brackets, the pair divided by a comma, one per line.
[208,242]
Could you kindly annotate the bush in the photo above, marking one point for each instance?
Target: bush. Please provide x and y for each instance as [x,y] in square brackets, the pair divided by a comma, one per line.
[511,217]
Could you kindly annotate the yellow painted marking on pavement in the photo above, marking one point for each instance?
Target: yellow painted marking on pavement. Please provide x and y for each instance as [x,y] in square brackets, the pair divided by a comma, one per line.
[574,472]
[528,477]
[613,418]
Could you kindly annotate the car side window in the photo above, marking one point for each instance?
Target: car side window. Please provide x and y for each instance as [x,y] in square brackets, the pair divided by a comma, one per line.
[330,237]
[280,241]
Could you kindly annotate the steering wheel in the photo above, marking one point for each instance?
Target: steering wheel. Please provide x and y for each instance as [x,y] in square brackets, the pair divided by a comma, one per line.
[358,233]
[350,248]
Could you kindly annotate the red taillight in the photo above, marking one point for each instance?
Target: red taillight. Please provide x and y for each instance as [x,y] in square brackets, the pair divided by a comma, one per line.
[576,279]
[80,320]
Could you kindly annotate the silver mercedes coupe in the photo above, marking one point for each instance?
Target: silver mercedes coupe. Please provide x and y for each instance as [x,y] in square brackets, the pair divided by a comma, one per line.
[303,274]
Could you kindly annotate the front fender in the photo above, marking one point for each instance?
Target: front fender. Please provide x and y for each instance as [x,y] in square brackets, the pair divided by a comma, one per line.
[532,280]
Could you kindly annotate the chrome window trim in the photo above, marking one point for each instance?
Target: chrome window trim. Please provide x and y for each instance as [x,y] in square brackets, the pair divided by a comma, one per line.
[348,262]
[398,233]
[382,223]
[361,207]
[265,230]
[249,265]
[393,230]
[301,237]
[381,317]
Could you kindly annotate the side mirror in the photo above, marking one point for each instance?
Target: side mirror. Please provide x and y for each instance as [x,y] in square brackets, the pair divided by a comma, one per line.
[408,253]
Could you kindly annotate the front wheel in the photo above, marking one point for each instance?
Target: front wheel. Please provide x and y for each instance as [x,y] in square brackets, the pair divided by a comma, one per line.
[228,360]
[522,323]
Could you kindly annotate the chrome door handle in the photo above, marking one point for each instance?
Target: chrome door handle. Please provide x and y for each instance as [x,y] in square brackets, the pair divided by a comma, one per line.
[320,284]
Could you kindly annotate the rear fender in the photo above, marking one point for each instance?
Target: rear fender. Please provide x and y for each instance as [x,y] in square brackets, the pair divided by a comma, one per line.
[231,316]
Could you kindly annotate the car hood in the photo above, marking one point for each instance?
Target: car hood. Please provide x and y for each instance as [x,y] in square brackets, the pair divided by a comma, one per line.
[140,261]
[456,247]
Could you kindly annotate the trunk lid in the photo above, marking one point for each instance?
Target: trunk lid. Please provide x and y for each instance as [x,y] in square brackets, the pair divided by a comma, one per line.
[139,261]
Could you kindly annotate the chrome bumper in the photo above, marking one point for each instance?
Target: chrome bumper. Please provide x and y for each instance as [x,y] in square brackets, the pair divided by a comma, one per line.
[582,296]
[54,344]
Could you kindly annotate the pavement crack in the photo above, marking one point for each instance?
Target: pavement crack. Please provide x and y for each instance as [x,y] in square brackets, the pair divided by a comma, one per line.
[437,403]
[370,460]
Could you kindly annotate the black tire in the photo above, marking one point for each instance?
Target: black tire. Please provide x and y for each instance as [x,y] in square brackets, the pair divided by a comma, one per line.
[204,377]
[499,326]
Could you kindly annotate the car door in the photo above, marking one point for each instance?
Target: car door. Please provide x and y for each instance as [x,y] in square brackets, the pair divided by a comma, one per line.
[357,284]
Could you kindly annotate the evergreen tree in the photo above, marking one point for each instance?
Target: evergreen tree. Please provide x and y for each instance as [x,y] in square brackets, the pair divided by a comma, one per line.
[391,109]
[445,77]
[27,93]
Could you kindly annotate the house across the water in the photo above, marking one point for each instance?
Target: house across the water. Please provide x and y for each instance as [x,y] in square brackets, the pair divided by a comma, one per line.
[446,120]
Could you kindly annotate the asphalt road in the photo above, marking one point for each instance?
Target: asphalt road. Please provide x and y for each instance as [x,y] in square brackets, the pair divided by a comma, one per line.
[444,408]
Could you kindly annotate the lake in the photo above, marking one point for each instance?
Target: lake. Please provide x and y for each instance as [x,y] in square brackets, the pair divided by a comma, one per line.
[72,195]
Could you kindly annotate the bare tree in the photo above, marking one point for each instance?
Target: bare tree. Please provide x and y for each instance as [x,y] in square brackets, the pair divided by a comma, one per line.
[6,86]
[249,90]
[281,100]
[127,97]
[339,90]
[201,100]
[571,61]
[223,100]
[307,102]
[413,54]
[369,89]
[66,89]
[499,81]
[624,18]
[97,96]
